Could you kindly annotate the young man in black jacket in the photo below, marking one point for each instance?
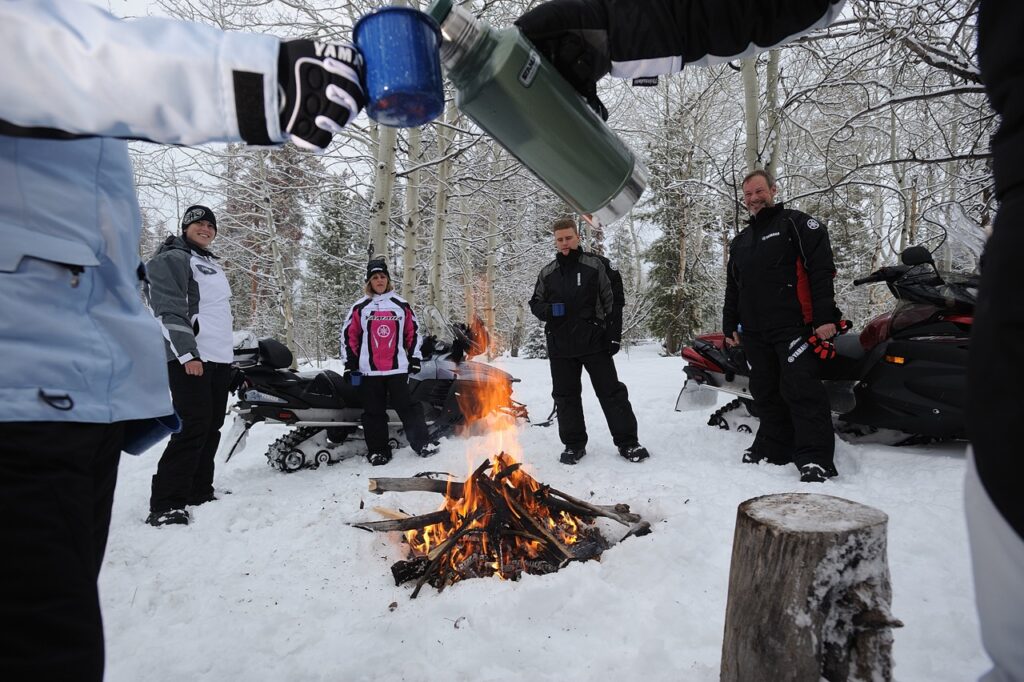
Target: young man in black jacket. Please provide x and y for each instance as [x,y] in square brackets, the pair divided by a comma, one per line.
[579,297]
[779,290]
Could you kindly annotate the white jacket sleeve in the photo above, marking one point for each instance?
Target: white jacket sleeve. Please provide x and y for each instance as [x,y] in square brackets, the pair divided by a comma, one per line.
[73,69]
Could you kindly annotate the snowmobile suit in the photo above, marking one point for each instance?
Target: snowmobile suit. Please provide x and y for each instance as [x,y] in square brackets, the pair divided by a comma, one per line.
[82,354]
[380,335]
[995,500]
[379,338]
[190,295]
[779,287]
[780,273]
[592,293]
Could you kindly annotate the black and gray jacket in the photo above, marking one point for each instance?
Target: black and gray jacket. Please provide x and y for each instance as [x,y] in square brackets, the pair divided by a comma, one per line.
[780,273]
[189,293]
[592,293]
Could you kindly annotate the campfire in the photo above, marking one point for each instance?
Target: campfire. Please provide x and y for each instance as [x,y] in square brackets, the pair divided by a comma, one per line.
[499,522]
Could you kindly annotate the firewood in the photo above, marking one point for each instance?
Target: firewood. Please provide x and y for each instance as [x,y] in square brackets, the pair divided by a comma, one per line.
[380,486]
[408,523]
[439,552]
[619,512]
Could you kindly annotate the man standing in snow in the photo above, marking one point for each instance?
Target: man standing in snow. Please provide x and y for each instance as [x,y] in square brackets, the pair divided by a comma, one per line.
[579,297]
[586,39]
[779,289]
[84,373]
[190,295]
[993,491]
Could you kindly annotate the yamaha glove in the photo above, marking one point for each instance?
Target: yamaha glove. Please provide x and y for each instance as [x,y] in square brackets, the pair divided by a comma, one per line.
[573,36]
[320,90]
[613,347]
[414,365]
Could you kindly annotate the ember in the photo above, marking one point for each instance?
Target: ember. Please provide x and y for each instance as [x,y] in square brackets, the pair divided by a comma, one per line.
[500,522]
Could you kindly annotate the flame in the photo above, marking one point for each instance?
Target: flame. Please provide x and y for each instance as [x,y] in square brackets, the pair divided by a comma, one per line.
[494,490]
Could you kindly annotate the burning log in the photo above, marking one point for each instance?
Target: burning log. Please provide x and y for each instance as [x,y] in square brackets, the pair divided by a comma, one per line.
[498,522]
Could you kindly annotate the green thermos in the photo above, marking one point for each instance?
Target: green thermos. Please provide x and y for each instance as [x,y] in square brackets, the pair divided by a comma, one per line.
[520,100]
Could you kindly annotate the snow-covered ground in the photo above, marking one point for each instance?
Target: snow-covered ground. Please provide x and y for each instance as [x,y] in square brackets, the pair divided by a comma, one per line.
[269,583]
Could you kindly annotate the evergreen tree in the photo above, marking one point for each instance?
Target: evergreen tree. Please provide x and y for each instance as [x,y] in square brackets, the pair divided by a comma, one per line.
[334,276]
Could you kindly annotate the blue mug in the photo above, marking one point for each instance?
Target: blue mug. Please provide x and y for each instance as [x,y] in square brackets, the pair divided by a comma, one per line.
[401,48]
[557,309]
[355,378]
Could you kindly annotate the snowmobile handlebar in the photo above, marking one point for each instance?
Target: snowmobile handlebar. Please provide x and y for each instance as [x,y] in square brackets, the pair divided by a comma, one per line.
[883,274]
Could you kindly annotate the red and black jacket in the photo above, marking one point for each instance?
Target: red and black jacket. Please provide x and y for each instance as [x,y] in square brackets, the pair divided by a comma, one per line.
[780,273]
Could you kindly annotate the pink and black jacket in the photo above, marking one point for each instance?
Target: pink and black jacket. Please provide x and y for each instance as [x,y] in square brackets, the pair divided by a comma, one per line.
[380,335]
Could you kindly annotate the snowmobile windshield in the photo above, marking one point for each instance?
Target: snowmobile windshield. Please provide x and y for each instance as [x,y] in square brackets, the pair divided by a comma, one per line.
[946,292]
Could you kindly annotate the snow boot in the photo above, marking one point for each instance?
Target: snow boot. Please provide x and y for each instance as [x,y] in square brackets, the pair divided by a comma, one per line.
[378,458]
[571,455]
[171,517]
[428,450]
[634,453]
[816,473]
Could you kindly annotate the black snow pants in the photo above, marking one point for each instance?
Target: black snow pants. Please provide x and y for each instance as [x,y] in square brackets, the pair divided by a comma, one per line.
[377,392]
[791,404]
[185,473]
[567,390]
[57,484]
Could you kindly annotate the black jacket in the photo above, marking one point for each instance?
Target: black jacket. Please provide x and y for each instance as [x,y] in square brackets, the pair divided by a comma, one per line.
[780,273]
[592,293]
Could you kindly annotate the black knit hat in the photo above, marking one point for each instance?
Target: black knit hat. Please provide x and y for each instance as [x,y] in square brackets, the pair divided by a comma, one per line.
[377,266]
[196,213]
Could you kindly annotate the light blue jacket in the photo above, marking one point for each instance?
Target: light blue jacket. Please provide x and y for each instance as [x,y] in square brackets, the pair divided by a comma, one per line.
[76,341]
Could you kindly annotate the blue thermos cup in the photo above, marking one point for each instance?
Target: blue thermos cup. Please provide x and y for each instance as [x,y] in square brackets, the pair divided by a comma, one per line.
[401,48]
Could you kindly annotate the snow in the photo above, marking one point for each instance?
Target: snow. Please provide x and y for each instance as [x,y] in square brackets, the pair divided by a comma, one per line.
[269,583]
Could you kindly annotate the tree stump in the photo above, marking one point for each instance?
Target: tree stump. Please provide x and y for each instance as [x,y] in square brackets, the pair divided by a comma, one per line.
[809,592]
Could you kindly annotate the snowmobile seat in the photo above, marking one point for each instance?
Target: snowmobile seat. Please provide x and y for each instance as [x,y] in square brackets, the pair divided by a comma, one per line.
[274,354]
[848,346]
[329,389]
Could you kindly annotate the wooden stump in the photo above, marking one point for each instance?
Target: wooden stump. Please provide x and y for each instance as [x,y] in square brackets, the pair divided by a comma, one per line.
[809,592]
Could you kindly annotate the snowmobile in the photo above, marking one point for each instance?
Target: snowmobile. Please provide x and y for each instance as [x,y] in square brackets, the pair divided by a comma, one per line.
[901,381]
[324,409]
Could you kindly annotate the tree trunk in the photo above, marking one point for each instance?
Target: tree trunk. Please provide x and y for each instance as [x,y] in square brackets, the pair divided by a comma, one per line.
[383,186]
[444,142]
[773,142]
[809,592]
[412,219]
[751,105]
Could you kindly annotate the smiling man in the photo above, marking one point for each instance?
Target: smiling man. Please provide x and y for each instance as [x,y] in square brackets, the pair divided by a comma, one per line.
[189,294]
[779,290]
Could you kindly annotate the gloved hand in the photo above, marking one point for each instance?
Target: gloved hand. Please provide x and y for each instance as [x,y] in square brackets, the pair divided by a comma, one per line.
[822,348]
[573,36]
[414,365]
[320,90]
[347,375]
[613,347]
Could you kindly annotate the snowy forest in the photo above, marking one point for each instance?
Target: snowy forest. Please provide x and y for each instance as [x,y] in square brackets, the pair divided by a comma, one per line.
[878,126]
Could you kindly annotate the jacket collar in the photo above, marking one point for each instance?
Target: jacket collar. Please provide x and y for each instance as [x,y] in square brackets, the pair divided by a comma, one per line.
[766,214]
[572,257]
[179,242]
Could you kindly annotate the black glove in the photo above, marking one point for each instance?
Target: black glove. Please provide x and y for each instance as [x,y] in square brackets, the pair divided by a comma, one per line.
[347,376]
[414,365]
[320,90]
[573,36]
[822,348]
[613,347]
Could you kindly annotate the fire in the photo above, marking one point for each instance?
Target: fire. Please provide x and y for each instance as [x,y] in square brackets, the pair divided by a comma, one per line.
[501,522]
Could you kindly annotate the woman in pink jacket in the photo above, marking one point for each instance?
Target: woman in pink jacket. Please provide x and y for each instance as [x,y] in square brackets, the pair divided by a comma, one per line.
[380,344]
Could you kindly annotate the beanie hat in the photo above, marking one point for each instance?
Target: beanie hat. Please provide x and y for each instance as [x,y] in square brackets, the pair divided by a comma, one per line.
[376,266]
[196,213]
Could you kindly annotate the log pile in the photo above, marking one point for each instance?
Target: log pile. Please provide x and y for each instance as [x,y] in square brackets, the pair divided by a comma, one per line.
[499,522]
